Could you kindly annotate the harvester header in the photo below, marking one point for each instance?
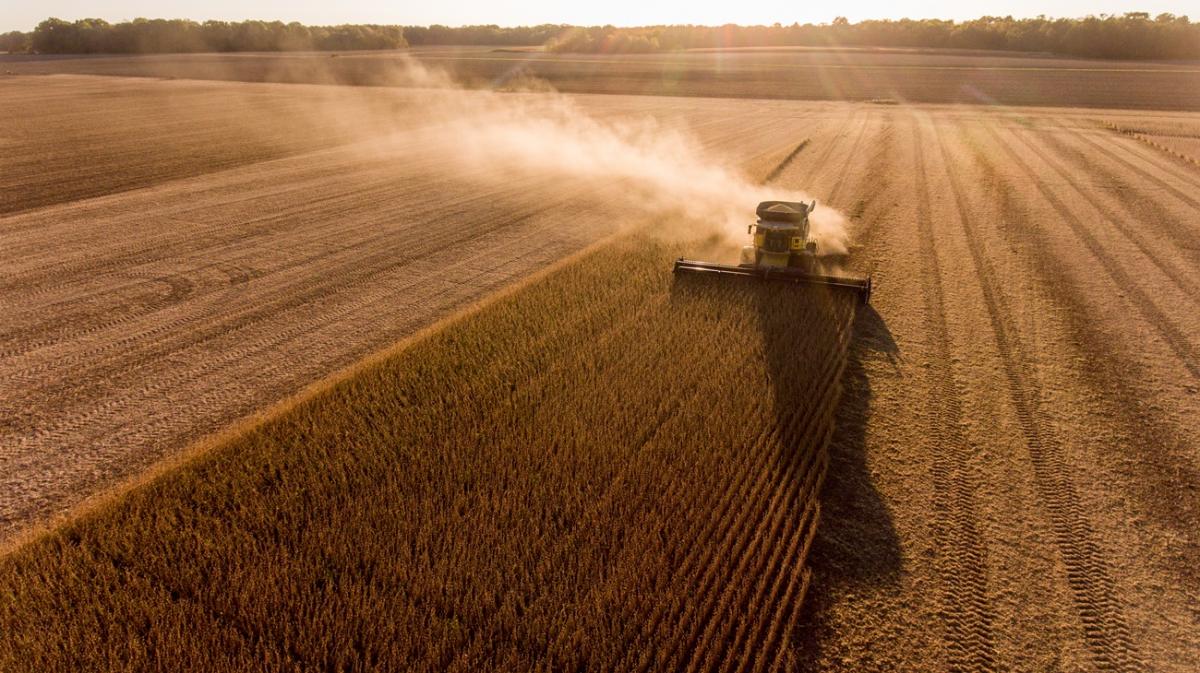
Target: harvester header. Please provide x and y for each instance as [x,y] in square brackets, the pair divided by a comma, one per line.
[782,250]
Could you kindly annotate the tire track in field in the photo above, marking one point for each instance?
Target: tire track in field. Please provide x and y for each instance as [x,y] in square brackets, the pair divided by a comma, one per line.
[225,367]
[785,162]
[296,301]
[1179,278]
[836,190]
[331,238]
[773,147]
[72,329]
[1130,155]
[108,360]
[864,235]
[814,167]
[876,170]
[331,297]
[1094,592]
[734,144]
[957,526]
[1170,166]
[348,254]
[1156,216]
[1107,150]
[1107,370]
[243,186]
[1174,338]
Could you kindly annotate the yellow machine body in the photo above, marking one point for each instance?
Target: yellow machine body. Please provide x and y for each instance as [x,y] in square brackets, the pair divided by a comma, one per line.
[781,236]
[781,251]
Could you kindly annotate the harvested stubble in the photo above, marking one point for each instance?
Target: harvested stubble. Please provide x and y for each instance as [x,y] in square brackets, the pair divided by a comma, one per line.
[1180,139]
[940,77]
[608,469]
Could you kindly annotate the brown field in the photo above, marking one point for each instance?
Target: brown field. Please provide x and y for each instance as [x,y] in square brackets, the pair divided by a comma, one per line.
[443,506]
[1179,138]
[604,468]
[147,317]
[807,74]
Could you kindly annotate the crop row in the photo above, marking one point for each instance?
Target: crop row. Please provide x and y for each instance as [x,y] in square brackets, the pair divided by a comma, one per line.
[610,469]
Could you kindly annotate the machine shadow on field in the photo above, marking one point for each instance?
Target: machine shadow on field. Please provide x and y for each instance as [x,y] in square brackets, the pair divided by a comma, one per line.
[805,331]
[856,540]
[859,542]
[857,549]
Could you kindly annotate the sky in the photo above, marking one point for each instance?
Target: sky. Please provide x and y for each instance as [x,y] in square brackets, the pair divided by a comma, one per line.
[24,15]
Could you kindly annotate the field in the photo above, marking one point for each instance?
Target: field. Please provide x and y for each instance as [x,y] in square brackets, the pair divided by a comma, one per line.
[1177,137]
[185,301]
[442,507]
[600,468]
[809,74]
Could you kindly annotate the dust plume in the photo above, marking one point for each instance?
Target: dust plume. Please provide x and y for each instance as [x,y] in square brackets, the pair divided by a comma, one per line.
[657,170]
[637,167]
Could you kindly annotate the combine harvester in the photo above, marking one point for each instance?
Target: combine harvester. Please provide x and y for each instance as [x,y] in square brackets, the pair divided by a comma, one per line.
[782,251]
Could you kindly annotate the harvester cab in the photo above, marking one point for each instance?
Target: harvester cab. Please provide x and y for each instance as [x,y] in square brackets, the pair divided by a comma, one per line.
[782,250]
[781,236]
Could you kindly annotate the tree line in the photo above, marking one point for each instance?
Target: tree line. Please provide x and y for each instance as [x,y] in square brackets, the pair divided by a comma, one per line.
[97,36]
[1134,35]
[490,35]
[148,36]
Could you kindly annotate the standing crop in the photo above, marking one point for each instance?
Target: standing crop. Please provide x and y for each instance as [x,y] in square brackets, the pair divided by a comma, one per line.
[610,469]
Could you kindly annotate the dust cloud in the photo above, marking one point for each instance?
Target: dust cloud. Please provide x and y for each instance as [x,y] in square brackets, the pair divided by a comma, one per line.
[643,168]
[662,172]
